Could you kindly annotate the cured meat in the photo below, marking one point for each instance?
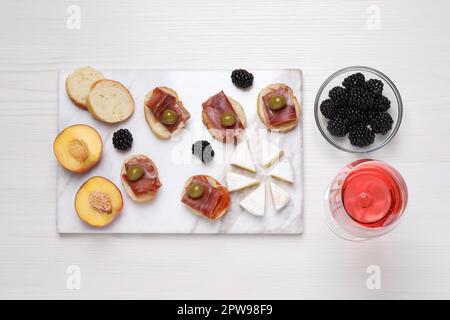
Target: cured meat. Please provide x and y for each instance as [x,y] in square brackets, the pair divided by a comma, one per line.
[212,202]
[149,181]
[157,96]
[214,107]
[160,101]
[285,115]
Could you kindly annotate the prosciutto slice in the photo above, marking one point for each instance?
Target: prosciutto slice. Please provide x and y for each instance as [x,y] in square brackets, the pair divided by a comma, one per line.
[214,107]
[285,115]
[160,101]
[149,181]
[212,202]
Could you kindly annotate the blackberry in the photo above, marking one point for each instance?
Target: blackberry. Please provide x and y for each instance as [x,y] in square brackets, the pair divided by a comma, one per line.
[341,113]
[361,136]
[371,114]
[122,139]
[381,123]
[360,98]
[375,86]
[203,150]
[355,125]
[242,78]
[337,127]
[338,95]
[356,115]
[354,80]
[328,108]
[381,104]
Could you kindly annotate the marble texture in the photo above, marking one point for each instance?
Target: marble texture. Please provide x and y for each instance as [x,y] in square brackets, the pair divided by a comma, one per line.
[166,214]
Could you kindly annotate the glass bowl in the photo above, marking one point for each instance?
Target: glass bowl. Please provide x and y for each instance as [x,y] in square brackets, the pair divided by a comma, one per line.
[389,90]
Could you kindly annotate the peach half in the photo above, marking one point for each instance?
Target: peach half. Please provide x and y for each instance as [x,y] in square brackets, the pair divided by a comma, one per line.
[78,148]
[98,201]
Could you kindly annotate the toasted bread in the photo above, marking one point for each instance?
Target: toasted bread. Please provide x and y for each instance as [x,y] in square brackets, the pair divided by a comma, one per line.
[158,128]
[218,133]
[262,112]
[78,84]
[215,184]
[138,198]
[110,101]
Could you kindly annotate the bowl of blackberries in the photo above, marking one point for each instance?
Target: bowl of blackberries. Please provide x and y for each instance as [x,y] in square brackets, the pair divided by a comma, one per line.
[358,109]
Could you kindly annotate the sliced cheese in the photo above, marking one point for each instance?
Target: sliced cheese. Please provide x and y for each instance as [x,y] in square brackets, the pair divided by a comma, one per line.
[283,171]
[242,158]
[270,153]
[237,182]
[255,202]
[279,196]
[252,142]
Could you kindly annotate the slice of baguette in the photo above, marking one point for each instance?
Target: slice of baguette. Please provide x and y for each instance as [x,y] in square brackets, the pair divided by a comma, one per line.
[138,198]
[262,112]
[215,184]
[110,101]
[218,133]
[79,82]
[157,127]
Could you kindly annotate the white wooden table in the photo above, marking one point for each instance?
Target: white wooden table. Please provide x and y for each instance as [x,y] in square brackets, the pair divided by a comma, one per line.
[408,40]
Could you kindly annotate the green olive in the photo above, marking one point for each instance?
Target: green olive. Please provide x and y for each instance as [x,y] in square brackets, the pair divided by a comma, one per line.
[169,117]
[196,190]
[277,102]
[135,172]
[227,119]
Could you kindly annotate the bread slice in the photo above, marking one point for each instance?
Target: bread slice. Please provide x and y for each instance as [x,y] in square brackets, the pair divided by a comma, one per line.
[138,198]
[262,112]
[79,82]
[215,184]
[217,133]
[110,101]
[157,127]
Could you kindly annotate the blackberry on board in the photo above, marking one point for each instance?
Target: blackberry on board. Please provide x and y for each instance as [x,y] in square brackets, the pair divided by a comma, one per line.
[122,139]
[361,136]
[338,95]
[203,150]
[381,104]
[360,98]
[375,86]
[242,78]
[354,80]
[381,123]
[337,127]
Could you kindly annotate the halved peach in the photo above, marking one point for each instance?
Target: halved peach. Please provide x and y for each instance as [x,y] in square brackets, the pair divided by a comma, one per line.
[98,201]
[78,148]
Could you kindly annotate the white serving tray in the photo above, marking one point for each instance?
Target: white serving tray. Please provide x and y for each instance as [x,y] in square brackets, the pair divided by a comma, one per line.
[166,214]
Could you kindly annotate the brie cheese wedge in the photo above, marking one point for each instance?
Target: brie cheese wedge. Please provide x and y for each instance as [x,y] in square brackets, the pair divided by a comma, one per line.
[283,171]
[255,202]
[270,153]
[237,182]
[242,158]
[279,196]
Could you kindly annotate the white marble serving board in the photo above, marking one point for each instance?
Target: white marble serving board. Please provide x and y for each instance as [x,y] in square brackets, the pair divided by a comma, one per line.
[166,214]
